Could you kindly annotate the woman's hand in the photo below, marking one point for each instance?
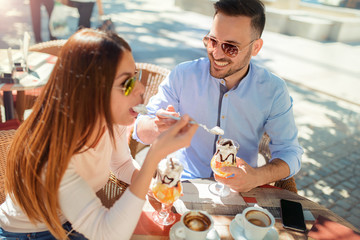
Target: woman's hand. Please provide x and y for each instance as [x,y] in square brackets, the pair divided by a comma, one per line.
[177,136]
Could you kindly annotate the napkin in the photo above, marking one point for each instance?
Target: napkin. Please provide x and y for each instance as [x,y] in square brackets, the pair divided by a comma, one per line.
[325,229]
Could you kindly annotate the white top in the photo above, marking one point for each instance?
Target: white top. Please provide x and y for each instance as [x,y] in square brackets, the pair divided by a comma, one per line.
[87,173]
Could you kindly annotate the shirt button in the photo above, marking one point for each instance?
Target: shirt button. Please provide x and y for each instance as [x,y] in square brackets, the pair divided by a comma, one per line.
[222,116]
[222,82]
[226,95]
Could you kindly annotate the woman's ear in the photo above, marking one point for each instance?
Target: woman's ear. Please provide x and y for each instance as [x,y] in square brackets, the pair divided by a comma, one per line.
[257,45]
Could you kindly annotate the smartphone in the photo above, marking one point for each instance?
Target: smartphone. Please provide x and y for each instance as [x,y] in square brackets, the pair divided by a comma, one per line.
[292,215]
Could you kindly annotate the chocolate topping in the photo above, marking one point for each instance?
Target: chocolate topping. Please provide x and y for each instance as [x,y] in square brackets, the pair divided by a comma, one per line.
[172,163]
[231,154]
[229,142]
[167,180]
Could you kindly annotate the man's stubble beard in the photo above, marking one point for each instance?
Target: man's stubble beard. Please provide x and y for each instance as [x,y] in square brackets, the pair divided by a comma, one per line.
[234,69]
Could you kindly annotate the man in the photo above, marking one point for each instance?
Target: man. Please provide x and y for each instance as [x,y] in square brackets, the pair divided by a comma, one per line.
[228,90]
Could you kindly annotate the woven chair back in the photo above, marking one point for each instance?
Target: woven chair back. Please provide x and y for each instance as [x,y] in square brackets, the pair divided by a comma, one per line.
[6,137]
[52,47]
[264,150]
[152,76]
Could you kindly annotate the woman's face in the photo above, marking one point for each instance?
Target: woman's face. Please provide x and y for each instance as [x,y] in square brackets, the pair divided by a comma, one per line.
[121,105]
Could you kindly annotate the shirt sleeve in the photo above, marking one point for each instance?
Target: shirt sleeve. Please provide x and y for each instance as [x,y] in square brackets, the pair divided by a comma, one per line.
[122,164]
[283,132]
[81,206]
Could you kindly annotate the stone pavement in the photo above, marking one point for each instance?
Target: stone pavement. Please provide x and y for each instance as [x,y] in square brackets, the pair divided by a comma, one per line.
[323,79]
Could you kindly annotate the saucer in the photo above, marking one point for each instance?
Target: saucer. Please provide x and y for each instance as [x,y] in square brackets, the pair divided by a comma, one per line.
[237,232]
[212,234]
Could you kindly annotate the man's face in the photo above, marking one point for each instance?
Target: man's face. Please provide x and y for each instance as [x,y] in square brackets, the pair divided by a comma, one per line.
[237,31]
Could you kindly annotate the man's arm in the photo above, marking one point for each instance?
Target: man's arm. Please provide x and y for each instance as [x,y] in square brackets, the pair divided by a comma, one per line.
[149,128]
[146,129]
[246,177]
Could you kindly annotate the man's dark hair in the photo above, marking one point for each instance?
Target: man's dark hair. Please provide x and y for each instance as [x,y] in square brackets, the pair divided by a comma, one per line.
[251,8]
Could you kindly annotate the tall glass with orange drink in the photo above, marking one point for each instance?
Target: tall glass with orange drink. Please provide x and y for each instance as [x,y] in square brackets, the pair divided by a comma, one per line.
[167,188]
[225,156]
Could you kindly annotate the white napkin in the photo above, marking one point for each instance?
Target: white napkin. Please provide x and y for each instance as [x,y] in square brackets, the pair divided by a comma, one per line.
[25,48]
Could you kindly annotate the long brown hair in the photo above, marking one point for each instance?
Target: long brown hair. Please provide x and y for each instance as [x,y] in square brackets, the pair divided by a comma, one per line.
[73,103]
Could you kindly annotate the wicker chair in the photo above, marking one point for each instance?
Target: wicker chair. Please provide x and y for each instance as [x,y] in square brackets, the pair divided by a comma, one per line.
[288,184]
[52,47]
[6,137]
[152,76]
[108,195]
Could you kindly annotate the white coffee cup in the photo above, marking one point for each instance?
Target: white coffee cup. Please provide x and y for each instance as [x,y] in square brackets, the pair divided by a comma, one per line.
[194,225]
[256,222]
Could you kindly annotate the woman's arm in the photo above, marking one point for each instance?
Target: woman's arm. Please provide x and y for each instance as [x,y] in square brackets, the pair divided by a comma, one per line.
[178,136]
[80,205]
[122,164]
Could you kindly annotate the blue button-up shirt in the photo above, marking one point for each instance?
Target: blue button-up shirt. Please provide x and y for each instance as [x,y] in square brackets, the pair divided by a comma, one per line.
[259,103]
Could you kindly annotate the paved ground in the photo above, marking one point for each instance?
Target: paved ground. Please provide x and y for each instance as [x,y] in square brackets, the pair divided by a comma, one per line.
[323,79]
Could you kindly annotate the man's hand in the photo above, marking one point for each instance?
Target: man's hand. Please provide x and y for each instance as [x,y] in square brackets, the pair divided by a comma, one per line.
[245,177]
[149,128]
[164,123]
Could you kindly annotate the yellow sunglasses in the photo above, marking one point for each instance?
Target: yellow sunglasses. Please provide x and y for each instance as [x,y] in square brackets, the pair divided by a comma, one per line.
[129,84]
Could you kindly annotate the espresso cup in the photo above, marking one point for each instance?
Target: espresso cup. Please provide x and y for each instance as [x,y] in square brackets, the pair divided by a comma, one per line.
[194,225]
[256,222]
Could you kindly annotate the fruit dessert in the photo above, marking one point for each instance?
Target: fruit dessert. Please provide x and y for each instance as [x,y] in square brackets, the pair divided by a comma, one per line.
[225,156]
[166,185]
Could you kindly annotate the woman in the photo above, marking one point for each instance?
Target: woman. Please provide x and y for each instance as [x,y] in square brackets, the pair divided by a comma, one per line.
[62,154]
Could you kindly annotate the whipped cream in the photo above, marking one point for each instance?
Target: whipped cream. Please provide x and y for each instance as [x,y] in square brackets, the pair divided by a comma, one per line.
[140,108]
[226,151]
[169,171]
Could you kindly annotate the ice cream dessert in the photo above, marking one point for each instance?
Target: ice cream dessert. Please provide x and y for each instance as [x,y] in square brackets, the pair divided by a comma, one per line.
[224,156]
[140,108]
[166,185]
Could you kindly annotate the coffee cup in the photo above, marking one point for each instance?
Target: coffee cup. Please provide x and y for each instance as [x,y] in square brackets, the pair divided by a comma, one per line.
[256,222]
[194,225]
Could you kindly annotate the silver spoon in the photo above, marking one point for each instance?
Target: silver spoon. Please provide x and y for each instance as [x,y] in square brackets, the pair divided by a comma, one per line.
[215,130]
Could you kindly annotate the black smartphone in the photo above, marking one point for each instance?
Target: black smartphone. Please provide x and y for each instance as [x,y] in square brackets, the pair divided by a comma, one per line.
[292,215]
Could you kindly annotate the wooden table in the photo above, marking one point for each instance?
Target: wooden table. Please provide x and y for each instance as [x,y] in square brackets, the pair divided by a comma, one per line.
[197,196]
[40,65]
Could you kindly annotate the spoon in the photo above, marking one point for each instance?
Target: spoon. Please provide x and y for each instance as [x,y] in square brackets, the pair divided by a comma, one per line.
[142,110]
[215,130]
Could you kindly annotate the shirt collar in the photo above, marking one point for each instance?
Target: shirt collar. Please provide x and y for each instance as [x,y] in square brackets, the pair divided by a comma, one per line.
[222,81]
